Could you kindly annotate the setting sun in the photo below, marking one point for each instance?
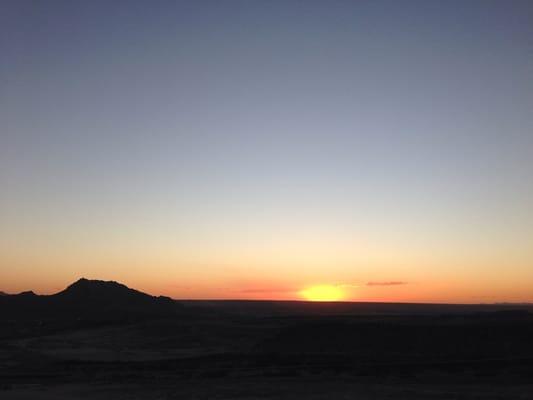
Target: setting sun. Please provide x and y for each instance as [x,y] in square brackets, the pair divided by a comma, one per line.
[323,293]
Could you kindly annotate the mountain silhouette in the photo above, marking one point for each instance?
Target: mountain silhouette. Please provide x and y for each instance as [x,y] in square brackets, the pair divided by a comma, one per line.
[86,299]
[103,291]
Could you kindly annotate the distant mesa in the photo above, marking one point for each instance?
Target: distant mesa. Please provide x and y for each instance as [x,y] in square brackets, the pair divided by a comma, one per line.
[85,289]
[27,293]
[86,299]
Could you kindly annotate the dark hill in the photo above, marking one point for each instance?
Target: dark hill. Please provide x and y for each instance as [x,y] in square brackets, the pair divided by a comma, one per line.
[109,292]
[87,300]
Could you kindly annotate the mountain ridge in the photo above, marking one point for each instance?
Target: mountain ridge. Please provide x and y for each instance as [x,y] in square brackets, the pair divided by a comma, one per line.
[88,299]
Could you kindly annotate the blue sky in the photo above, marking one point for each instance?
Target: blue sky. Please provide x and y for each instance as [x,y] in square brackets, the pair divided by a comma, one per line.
[296,141]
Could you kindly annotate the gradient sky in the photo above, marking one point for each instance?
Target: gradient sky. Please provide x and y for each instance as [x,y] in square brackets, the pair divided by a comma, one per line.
[251,149]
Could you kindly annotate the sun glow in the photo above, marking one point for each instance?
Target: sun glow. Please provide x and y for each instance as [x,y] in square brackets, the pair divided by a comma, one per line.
[323,293]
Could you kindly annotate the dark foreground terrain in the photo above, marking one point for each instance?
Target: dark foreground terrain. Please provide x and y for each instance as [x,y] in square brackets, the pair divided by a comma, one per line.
[101,340]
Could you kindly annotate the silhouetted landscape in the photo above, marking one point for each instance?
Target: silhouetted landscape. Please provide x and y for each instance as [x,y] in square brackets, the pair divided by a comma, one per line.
[273,199]
[99,339]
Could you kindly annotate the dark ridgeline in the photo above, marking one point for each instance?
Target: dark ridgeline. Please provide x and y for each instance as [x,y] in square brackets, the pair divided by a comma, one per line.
[117,335]
[87,300]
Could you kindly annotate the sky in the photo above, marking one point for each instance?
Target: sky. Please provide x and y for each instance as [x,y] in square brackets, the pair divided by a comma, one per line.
[256,149]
